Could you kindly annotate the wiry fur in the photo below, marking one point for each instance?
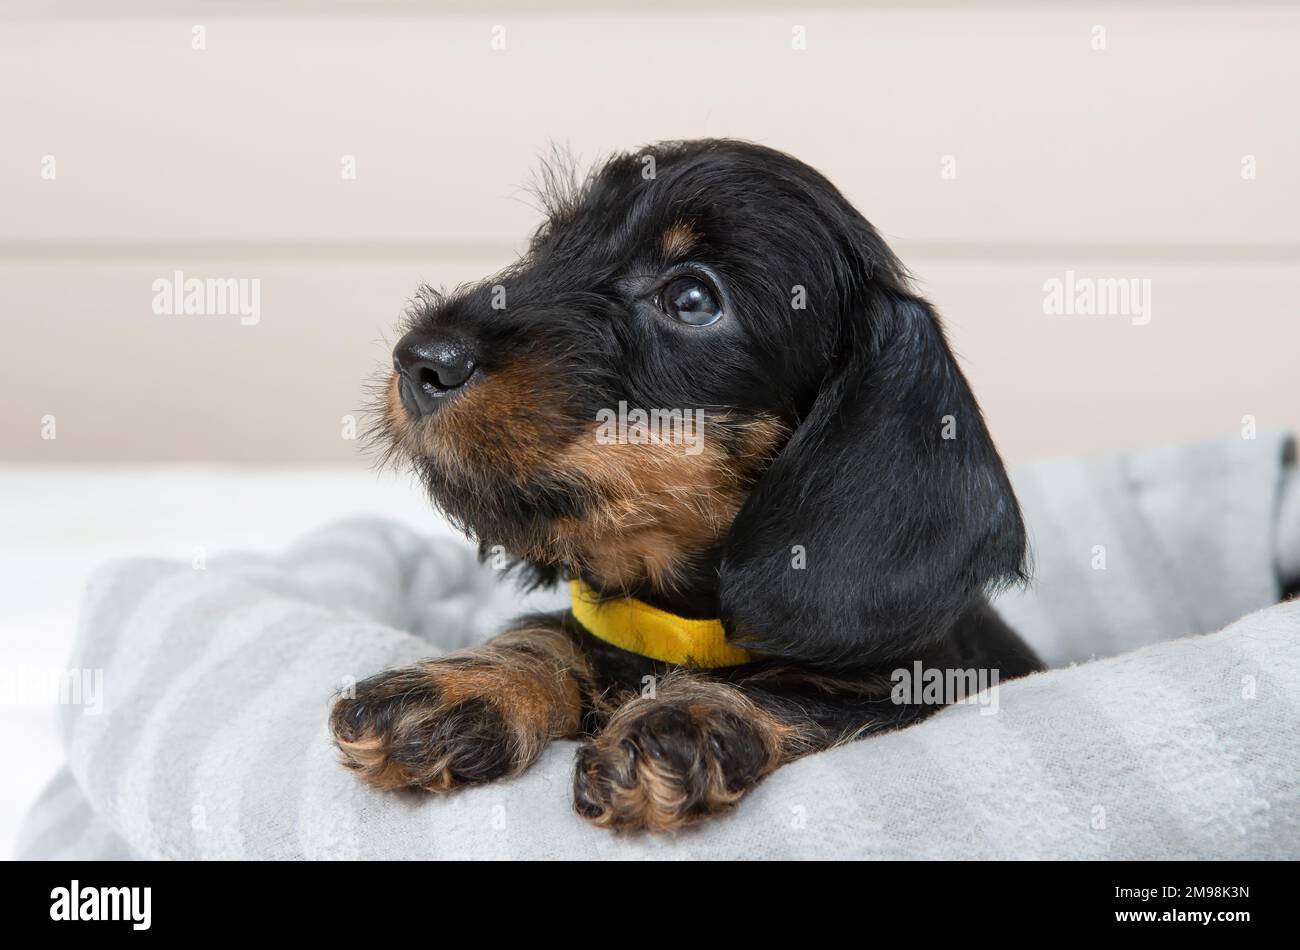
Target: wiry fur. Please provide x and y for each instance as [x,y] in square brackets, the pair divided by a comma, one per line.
[467,718]
[847,515]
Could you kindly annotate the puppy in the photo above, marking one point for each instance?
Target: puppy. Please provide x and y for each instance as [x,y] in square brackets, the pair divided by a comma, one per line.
[803,504]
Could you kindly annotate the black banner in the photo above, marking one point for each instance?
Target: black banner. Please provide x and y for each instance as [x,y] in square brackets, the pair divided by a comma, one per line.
[335,900]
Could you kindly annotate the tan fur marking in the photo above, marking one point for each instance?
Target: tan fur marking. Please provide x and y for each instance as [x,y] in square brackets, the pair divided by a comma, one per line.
[537,694]
[368,755]
[652,794]
[660,505]
[532,676]
[511,421]
[678,240]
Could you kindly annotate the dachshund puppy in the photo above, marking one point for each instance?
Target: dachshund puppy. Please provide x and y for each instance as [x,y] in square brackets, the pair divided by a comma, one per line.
[803,500]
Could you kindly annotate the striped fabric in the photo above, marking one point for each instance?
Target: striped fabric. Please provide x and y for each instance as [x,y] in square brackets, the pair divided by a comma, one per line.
[210,741]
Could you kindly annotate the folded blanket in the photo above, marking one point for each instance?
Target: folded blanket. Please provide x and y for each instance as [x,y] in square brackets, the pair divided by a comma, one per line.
[209,739]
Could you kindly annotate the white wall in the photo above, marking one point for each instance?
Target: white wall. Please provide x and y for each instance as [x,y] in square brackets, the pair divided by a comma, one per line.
[225,162]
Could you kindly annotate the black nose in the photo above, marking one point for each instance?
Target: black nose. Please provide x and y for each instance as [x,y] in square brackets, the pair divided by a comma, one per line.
[432,366]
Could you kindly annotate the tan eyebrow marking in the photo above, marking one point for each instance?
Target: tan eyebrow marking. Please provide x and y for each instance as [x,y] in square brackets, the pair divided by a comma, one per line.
[678,239]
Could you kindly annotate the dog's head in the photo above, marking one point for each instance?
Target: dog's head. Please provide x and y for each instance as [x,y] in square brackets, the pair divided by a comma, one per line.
[841,493]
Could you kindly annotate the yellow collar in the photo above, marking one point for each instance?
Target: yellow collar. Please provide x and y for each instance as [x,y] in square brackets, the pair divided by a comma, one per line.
[637,627]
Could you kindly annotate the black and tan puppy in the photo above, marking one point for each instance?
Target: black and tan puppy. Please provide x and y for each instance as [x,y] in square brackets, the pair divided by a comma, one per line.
[743,589]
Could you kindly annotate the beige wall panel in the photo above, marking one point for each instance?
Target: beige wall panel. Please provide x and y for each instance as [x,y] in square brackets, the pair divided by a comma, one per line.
[1138,144]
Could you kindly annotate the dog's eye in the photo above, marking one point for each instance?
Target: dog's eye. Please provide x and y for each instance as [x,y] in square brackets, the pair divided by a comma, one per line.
[691,301]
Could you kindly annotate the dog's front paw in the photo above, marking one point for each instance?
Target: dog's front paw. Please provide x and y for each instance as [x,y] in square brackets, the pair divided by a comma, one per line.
[664,763]
[461,720]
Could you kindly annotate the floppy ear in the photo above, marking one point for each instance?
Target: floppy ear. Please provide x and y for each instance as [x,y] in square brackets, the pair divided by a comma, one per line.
[892,489]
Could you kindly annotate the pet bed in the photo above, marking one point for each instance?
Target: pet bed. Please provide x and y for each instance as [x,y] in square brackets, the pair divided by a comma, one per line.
[1153,737]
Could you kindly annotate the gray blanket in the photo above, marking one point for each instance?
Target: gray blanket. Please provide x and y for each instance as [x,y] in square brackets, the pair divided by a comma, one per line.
[1151,739]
